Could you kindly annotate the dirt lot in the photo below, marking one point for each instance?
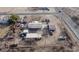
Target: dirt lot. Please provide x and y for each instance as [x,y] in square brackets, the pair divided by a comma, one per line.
[3,31]
[46,44]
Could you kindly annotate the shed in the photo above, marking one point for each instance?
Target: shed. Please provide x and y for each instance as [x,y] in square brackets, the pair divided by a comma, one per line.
[51,27]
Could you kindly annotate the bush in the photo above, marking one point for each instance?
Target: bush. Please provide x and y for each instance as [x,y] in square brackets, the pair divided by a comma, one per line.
[10,21]
[13,18]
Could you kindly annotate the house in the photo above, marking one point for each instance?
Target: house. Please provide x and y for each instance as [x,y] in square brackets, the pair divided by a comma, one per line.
[3,20]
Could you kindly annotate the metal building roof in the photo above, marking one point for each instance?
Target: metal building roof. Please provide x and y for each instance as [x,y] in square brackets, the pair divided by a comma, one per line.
[33,35]
[35,24]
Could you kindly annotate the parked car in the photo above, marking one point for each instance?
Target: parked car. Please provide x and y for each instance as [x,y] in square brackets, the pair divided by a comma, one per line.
[62,36]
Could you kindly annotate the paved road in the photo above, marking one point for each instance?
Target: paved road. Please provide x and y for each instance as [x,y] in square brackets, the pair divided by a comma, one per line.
[72,25]
[32,13]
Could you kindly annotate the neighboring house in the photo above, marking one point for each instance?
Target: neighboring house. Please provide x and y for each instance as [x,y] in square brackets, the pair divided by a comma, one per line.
[4,20]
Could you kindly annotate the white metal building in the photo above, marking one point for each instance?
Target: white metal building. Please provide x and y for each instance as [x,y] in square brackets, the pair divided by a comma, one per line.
[33,35]
[36,24]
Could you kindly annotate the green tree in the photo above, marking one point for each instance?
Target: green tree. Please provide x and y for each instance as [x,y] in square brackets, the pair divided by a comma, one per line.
[13,19]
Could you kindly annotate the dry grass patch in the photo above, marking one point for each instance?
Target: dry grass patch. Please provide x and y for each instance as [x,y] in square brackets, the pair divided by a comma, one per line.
[3,31]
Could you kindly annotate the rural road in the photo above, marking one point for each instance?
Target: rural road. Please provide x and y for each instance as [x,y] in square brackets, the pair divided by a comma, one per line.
[68,21]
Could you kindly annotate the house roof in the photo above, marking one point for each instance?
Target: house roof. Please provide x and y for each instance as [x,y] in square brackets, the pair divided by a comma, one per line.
[4,19]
